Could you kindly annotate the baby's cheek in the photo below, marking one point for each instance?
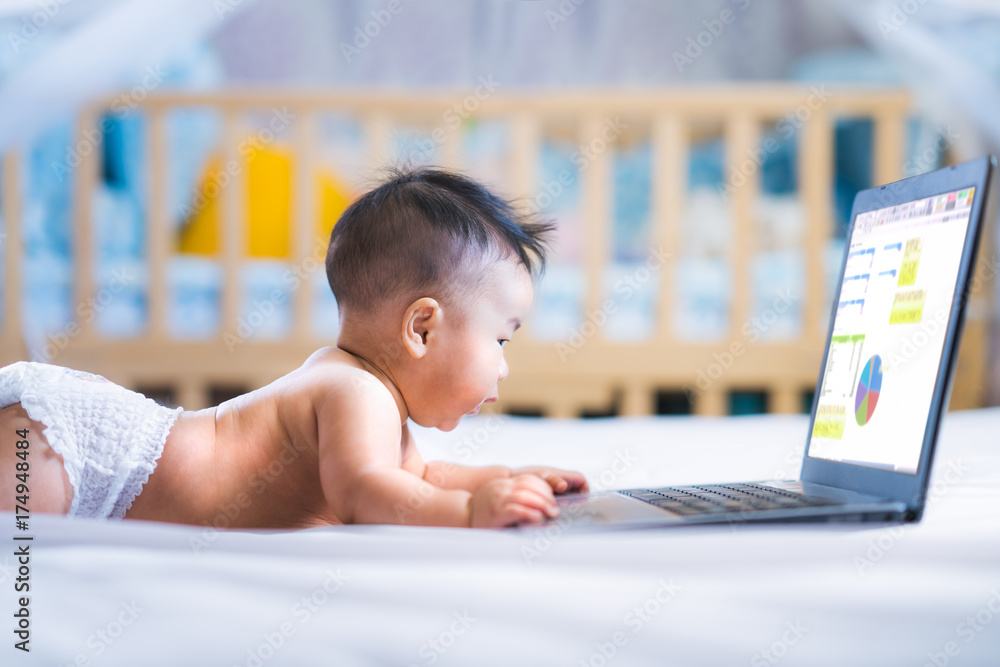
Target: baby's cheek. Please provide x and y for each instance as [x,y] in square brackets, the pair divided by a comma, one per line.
[474,390]
[471,391]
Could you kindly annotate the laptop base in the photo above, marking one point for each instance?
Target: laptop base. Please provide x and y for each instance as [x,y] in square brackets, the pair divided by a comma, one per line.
[621,509]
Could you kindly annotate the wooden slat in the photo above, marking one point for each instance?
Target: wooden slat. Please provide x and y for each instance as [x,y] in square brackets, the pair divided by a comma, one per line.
[522,174]
[304,215]
[785,400]
[557,395]
[970,392]
[377,130]
[974,390]
[637,400]
[712,403]
[887,148]
[10,244]
[159,240]
[451,147]
[84,183]
[234,243]
[525,140]
[599,366]
[651,361]
[815,186]
[192,394]
[561,409]
[767,101]
[596,209]
[670,158]
[743,177]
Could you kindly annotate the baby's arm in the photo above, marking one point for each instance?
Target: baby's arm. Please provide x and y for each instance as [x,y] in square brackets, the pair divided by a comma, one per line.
[448,475]
[359,458]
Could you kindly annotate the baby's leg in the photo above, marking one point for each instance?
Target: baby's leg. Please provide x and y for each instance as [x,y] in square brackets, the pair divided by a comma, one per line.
[49,488]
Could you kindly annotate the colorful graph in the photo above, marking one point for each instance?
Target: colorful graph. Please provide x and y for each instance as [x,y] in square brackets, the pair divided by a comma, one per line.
[866,397]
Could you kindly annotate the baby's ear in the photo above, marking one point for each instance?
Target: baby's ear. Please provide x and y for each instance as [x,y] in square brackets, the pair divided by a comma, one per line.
[421,318]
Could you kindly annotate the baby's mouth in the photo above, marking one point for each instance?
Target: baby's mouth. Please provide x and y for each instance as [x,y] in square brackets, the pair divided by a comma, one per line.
[488,400]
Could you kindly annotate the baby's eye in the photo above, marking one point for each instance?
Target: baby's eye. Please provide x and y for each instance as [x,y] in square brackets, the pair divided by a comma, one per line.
[502,341]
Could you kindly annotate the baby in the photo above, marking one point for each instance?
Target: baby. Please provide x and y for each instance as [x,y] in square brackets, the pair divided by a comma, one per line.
[432,275]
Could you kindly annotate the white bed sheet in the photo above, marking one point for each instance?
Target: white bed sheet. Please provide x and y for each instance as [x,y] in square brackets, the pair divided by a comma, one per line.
[136,593]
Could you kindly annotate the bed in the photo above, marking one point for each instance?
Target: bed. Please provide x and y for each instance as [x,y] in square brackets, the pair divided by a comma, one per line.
[719,282]
[135,593]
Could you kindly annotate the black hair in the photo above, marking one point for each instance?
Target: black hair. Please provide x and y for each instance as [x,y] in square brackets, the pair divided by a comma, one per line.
[426,232]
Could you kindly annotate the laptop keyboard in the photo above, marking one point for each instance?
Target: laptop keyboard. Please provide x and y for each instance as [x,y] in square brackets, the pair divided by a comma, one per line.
[722,498]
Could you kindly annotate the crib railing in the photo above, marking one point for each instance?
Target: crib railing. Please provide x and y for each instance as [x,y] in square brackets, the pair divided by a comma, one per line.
[600,374]
[12,346]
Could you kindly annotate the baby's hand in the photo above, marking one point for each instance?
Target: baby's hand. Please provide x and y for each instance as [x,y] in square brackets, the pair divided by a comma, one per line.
[508,501]
[561,481]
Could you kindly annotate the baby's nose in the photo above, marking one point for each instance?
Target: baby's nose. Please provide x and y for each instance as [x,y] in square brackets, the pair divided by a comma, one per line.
[503,368]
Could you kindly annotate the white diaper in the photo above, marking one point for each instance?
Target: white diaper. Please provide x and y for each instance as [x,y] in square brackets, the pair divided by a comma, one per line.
[110,438]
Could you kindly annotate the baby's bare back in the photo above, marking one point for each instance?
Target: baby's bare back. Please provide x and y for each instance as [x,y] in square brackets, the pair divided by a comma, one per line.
[252,462]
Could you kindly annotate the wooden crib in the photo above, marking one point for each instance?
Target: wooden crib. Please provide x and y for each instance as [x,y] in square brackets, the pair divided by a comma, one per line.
[601,375]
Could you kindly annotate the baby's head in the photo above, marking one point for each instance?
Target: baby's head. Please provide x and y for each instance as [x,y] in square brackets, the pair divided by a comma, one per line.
[432,274]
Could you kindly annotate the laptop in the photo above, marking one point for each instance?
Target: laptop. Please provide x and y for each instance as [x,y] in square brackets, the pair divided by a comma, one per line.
[884,381]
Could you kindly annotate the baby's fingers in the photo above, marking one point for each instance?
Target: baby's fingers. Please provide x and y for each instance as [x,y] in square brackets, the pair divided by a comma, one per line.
[562,481]
[534,500]
[513,515]
[575,481]
[534,482]
[555,480]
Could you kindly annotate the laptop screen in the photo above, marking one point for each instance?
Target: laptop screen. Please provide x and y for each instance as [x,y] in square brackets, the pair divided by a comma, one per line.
[888,332]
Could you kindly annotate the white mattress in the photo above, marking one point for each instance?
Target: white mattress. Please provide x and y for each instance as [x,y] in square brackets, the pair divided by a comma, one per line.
[137,593]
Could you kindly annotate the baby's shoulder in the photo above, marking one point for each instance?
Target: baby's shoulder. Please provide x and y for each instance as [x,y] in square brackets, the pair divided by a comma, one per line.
[331,359]
[337,378]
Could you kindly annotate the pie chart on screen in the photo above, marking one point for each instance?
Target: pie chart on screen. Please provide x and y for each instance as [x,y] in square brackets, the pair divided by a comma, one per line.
[866,397]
